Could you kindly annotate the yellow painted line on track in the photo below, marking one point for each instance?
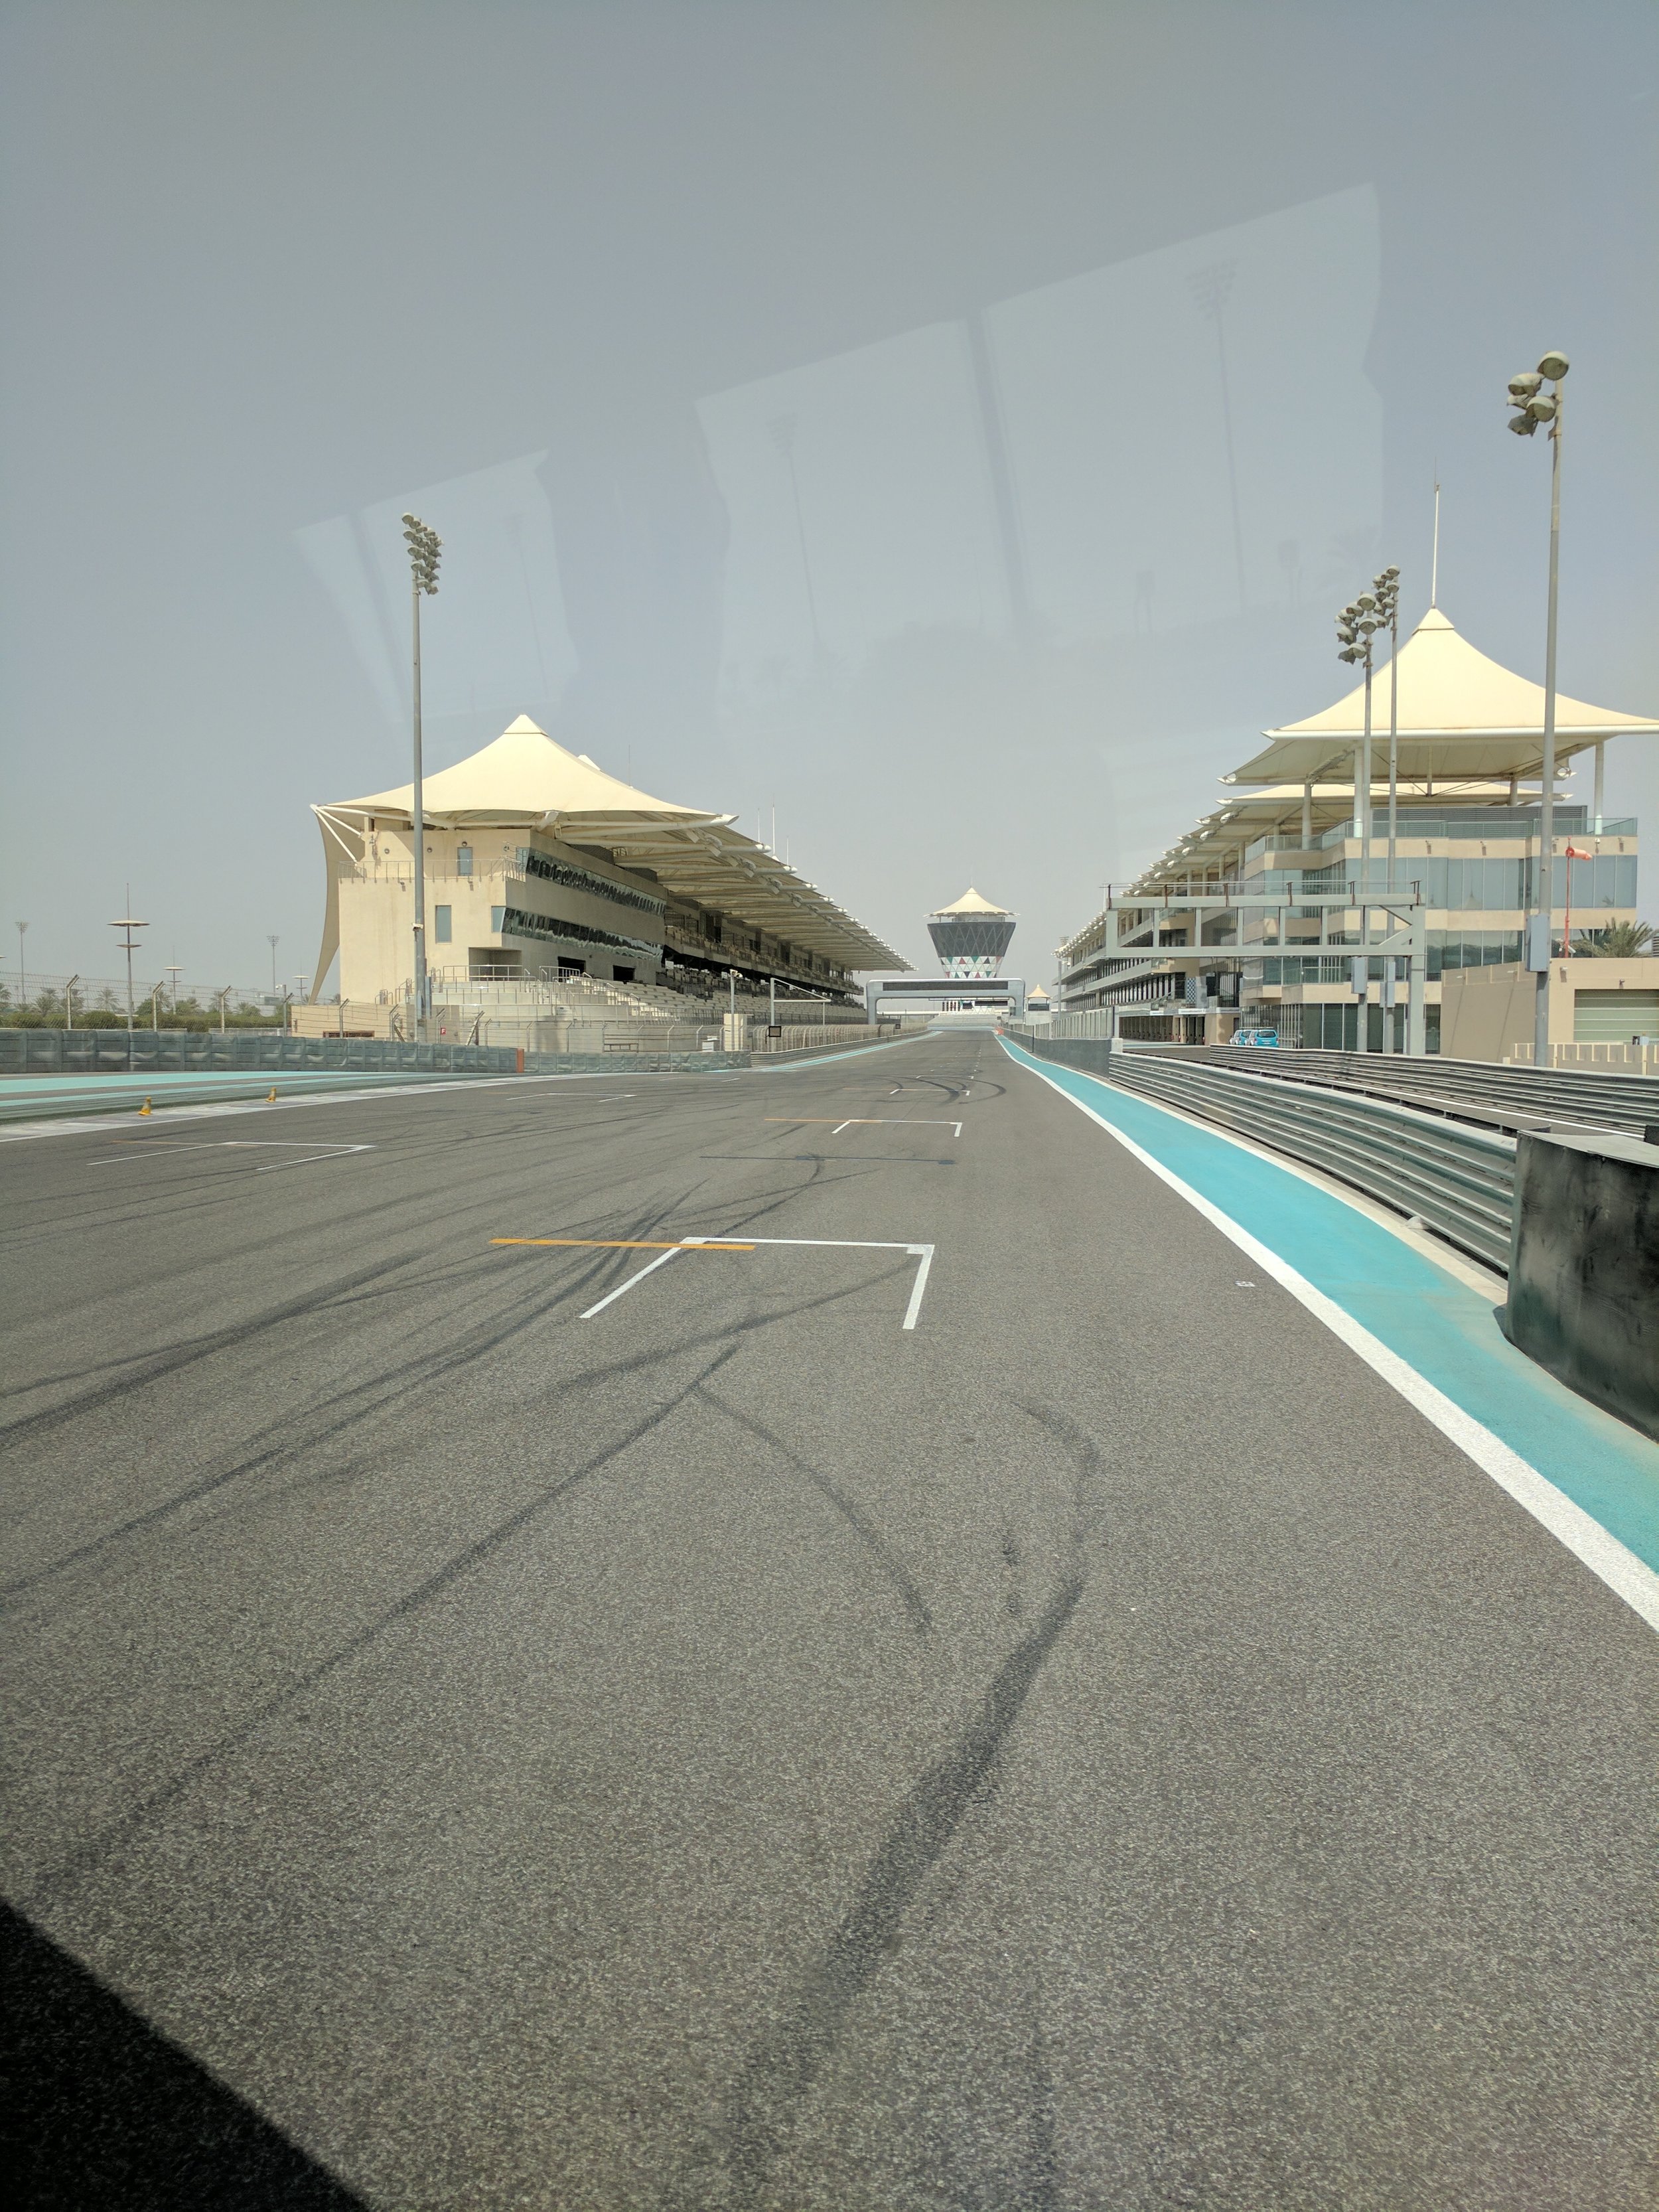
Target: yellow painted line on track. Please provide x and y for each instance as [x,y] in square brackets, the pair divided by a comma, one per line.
[623,1244]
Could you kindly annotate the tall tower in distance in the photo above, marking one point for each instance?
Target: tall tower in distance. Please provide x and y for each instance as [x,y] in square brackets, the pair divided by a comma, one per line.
[971,935]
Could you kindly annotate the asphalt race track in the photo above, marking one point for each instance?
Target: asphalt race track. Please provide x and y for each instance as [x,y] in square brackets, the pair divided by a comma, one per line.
[481,1741]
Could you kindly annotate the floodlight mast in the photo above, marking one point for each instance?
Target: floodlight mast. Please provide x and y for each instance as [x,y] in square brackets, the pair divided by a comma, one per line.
[424,545]
[1534,405]
[1356,627]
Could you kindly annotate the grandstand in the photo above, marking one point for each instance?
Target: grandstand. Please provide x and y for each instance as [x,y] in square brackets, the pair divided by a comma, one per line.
[555,889]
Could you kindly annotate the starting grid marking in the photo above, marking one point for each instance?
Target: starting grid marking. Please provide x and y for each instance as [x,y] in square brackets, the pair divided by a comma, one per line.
[311,1150]
[864,1121]
[666,1250]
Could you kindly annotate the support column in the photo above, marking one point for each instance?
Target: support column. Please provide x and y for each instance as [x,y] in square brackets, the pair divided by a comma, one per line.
[1417,1026]
[1596,815]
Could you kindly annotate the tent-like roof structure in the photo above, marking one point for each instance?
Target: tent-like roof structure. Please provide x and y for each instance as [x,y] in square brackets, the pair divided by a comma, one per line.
[524,780]
[1460,715]
[971,903]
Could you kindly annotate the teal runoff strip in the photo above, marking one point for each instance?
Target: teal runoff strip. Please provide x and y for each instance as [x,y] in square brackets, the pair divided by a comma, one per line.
[1441,1327]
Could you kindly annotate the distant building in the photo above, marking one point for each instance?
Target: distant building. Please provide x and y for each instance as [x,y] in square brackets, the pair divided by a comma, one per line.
[971,936]
[1470,737]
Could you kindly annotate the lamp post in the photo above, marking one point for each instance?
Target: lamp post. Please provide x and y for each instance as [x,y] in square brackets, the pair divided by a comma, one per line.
[129,945]
[1534,405]
[424,546]
[273,940]
[1386,590]
[23,972]
[1356,627]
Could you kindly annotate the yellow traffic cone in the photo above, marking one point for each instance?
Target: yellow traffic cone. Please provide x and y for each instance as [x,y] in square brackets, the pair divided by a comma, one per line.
[270,1095]
[144,1108]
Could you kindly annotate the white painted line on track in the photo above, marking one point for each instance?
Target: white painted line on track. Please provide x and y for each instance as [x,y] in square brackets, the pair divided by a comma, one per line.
[922,1252]
[1613,1562]
[142,1145]
[639,1276]
[867,1121]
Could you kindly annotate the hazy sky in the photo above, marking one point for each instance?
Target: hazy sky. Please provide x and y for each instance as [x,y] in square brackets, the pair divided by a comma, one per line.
[825,406]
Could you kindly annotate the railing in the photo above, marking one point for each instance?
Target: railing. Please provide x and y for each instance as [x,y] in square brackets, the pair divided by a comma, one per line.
[111,1052]
[1455,1179]
[1512,1098]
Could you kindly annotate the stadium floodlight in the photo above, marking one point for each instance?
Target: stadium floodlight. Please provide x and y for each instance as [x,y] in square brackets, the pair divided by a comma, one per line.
[424,546]
[1386,589]
[1357,627]
[1533,406]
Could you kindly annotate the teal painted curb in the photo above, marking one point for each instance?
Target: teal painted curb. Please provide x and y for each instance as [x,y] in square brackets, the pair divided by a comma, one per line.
[1440,1326]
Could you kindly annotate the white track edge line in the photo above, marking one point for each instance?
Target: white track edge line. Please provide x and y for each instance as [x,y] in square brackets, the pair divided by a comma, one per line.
[1613,1562]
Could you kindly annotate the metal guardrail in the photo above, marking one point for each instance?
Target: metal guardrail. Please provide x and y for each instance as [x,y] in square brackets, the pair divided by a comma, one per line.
[1455,1179]
[145,1052]
[1601,1099]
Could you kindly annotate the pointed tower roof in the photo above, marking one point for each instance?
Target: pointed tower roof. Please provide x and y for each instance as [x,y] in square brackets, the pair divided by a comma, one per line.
[1460,715]
[971,903]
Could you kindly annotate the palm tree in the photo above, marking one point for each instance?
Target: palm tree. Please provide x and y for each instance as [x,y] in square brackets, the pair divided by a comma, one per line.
[1618,940]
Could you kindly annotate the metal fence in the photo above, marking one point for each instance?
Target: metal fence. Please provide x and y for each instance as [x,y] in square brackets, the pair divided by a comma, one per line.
[1511,1098]
[102,1052]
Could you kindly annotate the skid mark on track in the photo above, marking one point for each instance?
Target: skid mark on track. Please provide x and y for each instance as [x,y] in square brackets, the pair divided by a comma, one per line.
[414,1601]
[887,1560]
[787,2061]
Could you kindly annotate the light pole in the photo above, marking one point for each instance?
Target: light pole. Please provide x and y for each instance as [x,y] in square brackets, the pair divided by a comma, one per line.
[424,546]
[1386,590]
[1534,405]
[273,940]
[129,945]
[68,1003]
[175,969]
[1356,627]
[223,996]
[23,972]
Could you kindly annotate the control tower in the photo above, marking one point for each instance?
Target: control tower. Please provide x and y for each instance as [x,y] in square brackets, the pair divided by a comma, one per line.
[971,936]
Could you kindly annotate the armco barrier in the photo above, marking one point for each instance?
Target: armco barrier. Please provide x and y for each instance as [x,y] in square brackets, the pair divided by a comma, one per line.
[146,1052]
[1607,1100]
[1457,1181]
[1585,1271]
[690,1063]
[74,1052]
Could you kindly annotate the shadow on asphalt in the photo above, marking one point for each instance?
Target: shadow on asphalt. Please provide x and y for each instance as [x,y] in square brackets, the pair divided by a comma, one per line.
[103,2111]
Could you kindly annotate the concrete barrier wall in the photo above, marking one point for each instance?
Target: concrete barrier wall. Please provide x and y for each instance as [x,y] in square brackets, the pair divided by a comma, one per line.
[1091,1054]
[1584,1267]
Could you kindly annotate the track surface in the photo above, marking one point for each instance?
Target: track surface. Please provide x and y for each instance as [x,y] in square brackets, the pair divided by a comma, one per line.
[1098,1748]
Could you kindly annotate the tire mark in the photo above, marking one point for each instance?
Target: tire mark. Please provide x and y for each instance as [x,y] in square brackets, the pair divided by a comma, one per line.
[782,2069]
[892,1567]
[414,1601]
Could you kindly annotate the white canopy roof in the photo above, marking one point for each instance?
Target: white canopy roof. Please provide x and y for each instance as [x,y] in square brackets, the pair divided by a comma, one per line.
[1460,714]
[971,903]
[525,779]
[522,776]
